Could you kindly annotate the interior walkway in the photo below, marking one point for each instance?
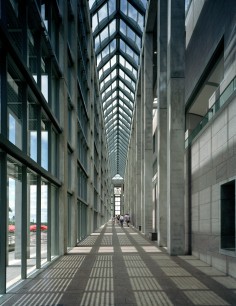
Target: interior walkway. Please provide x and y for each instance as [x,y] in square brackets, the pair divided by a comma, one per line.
[118,266]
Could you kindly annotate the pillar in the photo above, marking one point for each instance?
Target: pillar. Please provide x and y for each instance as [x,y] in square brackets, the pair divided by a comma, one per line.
[148,150]
[162,123]
[138,162]
[175,121]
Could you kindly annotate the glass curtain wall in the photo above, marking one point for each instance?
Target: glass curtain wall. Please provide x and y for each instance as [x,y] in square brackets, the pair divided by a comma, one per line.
[32,124]
[14,107]
[44,221]
[54,224]
[30,131]
[14,221]
[31,221]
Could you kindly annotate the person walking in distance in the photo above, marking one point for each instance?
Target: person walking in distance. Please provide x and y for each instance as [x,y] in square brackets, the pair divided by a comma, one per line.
[121,220]
[127,219]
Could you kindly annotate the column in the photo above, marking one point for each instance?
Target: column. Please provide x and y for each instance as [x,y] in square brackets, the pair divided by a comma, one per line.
[18,218]
[162,123]
[148,150]
[138,162]
[133,178]
[142,140]
[175,132]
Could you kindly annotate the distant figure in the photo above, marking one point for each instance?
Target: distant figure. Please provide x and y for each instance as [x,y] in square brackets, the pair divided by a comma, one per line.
[121,220]
[118,218]
[127,219]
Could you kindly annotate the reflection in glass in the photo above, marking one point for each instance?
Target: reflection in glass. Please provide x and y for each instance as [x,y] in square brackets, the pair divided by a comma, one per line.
[44,220]
[14,108]
[32,51]
[55,94]
[54,221]
[54,153]
[14,220]
[32,128]
[102,13]
[44,142]
[44,78]
[31,221]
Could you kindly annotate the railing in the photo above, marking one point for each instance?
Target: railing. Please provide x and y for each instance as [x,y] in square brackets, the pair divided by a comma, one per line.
[227,93]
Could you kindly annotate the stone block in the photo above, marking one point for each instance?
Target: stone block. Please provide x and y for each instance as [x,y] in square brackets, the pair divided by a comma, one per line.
[195,185]
[221,172]
[217,157]
[195,160]
[195,253]
[219,262]
[195,213]
[215,213]
[232,127]
[195,226]
[195,174]
[231,166]
[232,109]
[219,140]
[211,177]
[205,138]
[214,243]
[195,199]
[223,137]
[205,152]
[205,226]
[215,192]
[235,145]
[231,144]
[208,257]
[195,146]
[232,266]
[205,212]
[219,123]
[205,166]
[205,196]
[202,183]
[203,256]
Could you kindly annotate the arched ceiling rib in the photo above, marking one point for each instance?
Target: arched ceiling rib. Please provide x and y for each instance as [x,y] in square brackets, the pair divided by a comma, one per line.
[117,31]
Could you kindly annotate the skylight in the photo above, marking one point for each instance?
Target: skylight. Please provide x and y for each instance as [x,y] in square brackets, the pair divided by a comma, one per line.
[117,29]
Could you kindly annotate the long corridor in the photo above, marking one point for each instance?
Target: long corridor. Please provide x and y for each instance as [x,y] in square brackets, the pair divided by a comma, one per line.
[118,266]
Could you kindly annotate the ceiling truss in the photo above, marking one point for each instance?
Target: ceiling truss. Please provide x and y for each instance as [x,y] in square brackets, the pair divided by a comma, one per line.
[117,31]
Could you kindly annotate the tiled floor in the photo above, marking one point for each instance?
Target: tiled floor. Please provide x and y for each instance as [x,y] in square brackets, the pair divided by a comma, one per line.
[118,266]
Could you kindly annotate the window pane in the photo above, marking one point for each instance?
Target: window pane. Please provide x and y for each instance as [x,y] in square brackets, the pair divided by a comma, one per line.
[54,221]
[102,13]
[31,221]
[14,108]
[112,6]
[44,142]
[14,254]
[32,128]
[44,221]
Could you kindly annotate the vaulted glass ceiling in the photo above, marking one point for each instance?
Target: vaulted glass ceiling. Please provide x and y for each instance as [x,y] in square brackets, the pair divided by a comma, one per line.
[117,31]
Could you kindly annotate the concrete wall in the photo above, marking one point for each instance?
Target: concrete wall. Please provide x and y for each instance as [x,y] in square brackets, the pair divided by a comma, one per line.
[215,22]
[213,163]
[213,152]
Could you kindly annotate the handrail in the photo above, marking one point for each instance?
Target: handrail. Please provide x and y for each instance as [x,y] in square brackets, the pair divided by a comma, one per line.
[226,94]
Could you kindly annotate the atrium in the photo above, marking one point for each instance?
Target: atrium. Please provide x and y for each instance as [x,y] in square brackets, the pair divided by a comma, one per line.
[116,107]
